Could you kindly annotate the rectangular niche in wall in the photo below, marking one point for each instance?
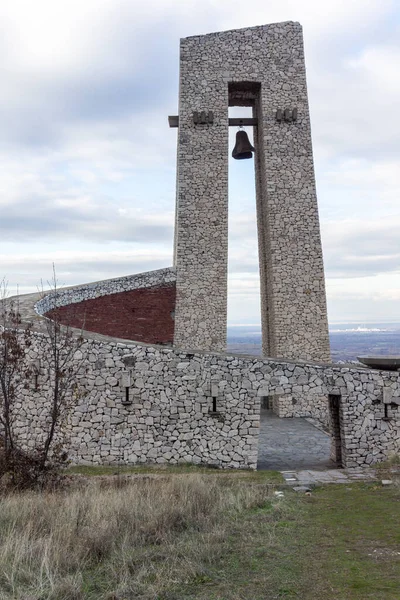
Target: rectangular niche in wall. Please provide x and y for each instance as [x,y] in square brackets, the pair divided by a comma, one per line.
[335,429]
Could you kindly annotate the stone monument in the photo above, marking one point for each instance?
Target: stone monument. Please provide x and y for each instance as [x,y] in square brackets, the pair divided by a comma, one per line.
[262,67]
[135,400]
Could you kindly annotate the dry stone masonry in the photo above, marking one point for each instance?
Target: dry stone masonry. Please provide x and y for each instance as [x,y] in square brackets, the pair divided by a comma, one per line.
[97,289]
[262,67]
[137,403]
[134,402]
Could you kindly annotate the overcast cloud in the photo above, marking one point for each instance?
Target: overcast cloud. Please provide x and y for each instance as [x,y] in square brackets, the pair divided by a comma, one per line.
[87,161]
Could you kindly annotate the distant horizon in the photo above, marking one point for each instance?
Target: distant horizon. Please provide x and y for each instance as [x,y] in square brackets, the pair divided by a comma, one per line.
[359,324]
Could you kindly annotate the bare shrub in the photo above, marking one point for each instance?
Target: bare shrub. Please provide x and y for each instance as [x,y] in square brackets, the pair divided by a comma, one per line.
[59,359]
[56,350]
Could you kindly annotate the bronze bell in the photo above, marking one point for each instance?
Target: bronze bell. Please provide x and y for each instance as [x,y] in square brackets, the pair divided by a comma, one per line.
[243,148]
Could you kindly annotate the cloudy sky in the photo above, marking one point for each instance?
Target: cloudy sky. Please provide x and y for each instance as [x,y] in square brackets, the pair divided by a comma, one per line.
[87,161]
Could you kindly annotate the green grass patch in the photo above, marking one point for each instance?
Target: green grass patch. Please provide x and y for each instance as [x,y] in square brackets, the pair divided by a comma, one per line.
[340,543]
[361,542]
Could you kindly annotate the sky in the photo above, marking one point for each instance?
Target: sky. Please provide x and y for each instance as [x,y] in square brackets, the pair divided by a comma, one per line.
[87,160]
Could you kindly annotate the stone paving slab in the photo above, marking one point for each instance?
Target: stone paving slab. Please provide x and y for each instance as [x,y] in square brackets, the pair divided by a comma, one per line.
[300,451]
[310,477]
[292,443]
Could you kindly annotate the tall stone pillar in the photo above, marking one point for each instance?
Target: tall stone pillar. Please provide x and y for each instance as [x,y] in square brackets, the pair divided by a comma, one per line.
[262,67]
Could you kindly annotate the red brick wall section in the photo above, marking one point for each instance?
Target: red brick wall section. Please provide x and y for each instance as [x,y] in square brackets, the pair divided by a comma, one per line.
[145,315]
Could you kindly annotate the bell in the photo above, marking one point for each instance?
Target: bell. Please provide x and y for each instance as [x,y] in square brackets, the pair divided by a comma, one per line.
[243,148]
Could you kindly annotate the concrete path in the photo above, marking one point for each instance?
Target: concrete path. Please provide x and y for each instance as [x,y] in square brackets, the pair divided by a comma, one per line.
[292,444]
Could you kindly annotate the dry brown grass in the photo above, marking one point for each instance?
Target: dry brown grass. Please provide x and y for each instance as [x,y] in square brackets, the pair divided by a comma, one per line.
[199,537]
[134,541]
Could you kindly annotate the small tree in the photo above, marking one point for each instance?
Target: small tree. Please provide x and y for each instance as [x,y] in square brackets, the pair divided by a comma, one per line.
[15,339]
[62,360]
[59,364]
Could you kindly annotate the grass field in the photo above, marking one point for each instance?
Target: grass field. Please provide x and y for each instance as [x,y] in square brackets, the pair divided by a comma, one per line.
[200,536]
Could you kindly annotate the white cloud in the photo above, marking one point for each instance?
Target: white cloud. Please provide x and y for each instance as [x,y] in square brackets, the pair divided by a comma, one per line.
[336,17]
[379,66]
[87,159]
[354,249]
[27,272]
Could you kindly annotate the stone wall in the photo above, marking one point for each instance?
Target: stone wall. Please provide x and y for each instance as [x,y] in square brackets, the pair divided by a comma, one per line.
[203,407]
[97,289]
[262,67]
[299,405]
[166,416]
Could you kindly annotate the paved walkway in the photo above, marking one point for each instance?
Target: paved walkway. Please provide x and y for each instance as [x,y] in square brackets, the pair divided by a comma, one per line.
[301,480]
[292,444]
[300,452]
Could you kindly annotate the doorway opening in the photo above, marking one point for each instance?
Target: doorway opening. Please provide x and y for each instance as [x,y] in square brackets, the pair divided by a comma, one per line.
[288,441]
[336,437]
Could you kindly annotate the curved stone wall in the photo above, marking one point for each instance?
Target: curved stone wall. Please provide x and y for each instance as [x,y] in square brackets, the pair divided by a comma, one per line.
[134,402]
[89,291]
[172,396]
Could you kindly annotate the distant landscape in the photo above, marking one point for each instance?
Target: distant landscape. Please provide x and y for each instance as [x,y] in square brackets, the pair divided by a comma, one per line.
[348,340]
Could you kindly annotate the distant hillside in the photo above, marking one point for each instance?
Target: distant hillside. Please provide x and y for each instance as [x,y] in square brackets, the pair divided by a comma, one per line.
[347,340]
